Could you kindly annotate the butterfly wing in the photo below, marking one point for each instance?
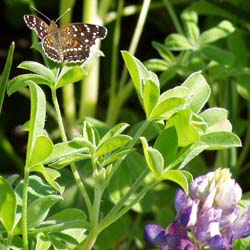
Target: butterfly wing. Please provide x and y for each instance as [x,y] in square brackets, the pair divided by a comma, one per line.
[77,38]
[37,24]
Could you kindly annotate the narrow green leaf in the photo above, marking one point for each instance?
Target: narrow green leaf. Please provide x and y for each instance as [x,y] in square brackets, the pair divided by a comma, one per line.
[42,149]
[221,140]
[50,176]
[70,74]
[90,133]
[23,80]
[223,29]
[151,94]
[8,205]
[42,242]
[153,158]
[112,144]
[167,144]
[156,65]
[186,132]
[38,69]
[178,177]
[200,89]
[37,117]
[177,42]
[114,131]
[5,75]
[214,53]
[39,209]
[164,52]
[137,71]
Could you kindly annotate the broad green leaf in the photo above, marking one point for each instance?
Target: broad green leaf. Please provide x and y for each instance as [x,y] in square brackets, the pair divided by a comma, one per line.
[179,91]
[38,69]
[156,65]
[70,74]
[223,29]
[178,177]
[50,176]
[69,214]
[137,71]
[242,244]
[221,56]
[200,89]
[153,157]
[177,42]
[23,80]
[42,242]
[5,75]
[221,140]
[165,109]
[167,144]
[216,119]
[67,149]
[187,134]
[39,209]
[199,124]
[151,94]
[8,205]
[112,144]
[42,149]
[164,52]
[190,22]
[116,130]
[37,117]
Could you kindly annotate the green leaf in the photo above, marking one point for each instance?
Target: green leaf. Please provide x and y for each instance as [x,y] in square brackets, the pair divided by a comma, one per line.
[8,205]
[200,89]
[38,69]
[63,150]
[177,42]
[179,177]
[37,117]
[42,149]
[221,140]
[165,109]
[70,74]
[221,56]
[216,119]
[164,52]
[39,209]
[179,91]
[187,134]
[153,158]
[137,71]
[42,242]
[6,73]
[116,130]
[223,29]
[50,176]
[23,80]
[90,133]
[242,244]
[156,65]
[112,144]
[167,144]
[151,94]
[190,22]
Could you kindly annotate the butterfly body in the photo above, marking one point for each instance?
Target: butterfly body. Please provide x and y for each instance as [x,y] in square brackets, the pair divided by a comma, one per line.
[70,43]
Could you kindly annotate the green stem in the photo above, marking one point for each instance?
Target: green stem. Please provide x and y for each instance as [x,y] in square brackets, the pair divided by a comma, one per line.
[173,16]
[24,209]
[73,167]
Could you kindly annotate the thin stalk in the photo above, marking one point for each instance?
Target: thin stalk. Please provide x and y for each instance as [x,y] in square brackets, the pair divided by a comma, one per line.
[24,209]
[104,7]
[173,16]
[114,65]
[73,166]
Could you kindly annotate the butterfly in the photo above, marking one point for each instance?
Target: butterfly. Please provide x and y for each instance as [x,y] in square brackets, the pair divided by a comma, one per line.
[70,43]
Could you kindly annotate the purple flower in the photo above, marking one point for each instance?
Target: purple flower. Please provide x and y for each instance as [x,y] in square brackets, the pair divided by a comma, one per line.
[208,218]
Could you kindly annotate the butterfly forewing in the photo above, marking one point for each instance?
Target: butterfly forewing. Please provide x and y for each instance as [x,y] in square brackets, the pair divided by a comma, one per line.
[37,24]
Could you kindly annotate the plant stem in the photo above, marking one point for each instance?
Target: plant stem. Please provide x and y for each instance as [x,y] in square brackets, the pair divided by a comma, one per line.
[24,209]
[73,166]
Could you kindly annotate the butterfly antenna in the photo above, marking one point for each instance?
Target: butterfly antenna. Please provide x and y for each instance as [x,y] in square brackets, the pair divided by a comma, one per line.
[64,13]
[40,13]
